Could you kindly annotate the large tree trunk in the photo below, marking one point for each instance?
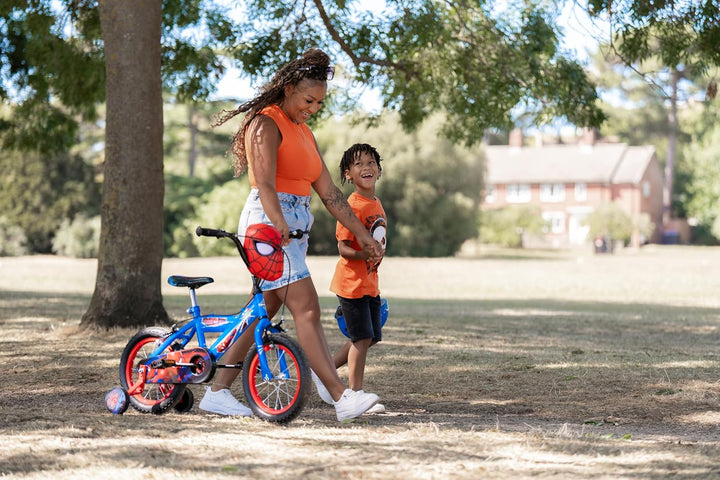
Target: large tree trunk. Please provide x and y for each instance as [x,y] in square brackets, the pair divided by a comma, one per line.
[127,288]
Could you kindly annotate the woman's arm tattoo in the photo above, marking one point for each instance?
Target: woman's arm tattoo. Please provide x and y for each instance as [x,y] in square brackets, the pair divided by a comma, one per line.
[336,203]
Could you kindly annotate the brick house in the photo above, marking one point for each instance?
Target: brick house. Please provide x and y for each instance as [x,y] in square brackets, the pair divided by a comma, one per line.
[568,182]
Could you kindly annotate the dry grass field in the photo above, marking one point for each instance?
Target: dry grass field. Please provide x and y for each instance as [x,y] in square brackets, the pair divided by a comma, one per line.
[508,365]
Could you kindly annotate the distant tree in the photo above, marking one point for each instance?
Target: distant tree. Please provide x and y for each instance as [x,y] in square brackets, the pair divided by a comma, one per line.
[678,33]
[59,59]
[681,36]
[38,191]
[649,99]
[476,63]
[465,60]
[429,187]
[703,202]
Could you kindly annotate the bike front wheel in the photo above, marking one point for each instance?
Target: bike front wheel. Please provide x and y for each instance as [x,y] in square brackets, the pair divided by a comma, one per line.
[281,398]
[156,397]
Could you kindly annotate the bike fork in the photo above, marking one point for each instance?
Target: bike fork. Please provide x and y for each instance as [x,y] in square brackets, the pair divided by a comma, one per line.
[263,326]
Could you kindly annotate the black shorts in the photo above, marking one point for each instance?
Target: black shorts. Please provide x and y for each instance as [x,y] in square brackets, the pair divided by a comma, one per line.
[362,317]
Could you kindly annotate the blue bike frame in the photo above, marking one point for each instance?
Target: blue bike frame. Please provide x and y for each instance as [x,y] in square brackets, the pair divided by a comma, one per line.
[230,327]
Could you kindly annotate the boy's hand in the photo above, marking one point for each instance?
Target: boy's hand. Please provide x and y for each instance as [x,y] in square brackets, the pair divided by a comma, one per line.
[373,250]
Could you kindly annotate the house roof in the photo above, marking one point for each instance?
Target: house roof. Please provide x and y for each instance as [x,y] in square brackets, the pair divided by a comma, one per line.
[601,163]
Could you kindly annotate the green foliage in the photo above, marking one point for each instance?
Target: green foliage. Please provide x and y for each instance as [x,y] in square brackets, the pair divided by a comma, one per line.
[475,63]
[322,239]
[680,33]
[609,220]
[38,192]
[506,226]
[12,239]
[54,65]
[218,208]
[79,238]
[703,190]
[429,188]
[191,145]
[644,102]
[644,225]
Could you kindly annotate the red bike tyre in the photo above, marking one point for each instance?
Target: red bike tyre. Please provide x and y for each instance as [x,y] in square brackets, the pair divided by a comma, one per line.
[281,399]
[156,397]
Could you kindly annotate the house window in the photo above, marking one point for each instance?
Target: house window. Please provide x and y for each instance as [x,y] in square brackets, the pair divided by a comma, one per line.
[555,220]
[552,192]
[580,192]
[517,193]
[646,189]
[490,193]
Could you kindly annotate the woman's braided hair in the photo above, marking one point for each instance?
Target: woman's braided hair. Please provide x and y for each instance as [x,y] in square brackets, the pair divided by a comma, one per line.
[353,153]
[312,65]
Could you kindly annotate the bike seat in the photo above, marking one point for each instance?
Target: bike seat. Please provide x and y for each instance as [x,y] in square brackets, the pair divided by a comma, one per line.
[192,282]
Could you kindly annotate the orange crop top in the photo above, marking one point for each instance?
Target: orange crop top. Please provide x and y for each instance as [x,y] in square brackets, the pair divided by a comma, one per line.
[298,160]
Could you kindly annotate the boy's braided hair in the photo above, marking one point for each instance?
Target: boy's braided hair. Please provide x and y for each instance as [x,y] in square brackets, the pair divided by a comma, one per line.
[352,153]
[312,65]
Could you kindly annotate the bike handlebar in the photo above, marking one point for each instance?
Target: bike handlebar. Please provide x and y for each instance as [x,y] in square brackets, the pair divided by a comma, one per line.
[218,233]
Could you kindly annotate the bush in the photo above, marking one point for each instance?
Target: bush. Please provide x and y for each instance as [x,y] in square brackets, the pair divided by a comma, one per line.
[506,226]
[13,242]
[609,220]
[79,238]
[37,192]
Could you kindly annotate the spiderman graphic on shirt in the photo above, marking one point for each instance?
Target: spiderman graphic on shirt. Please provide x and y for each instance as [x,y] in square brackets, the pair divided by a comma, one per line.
[377,227]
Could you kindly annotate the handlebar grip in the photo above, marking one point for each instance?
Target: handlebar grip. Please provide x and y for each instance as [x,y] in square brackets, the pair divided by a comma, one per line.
[297,233]
[210,232]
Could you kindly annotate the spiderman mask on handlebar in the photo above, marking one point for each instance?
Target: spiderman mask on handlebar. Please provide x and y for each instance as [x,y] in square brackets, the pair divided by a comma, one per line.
[263,245]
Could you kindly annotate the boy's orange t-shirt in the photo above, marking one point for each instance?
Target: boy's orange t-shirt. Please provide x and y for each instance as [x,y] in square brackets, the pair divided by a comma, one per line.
[357,278]
[298,161]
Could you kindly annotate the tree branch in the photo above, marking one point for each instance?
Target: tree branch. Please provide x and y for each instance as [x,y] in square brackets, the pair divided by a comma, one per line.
[357,60]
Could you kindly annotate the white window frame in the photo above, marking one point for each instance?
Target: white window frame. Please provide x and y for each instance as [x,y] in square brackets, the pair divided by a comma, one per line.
[490,192]
[517,193]
[580,192]
[556,221]
[552,192]
[646,189]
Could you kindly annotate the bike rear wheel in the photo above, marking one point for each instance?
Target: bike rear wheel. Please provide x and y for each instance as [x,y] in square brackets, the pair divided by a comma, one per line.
[156,397]
[283,397]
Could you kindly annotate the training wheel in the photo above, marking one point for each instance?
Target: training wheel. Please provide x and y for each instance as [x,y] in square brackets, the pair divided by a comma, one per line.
[117,400]
[186,402]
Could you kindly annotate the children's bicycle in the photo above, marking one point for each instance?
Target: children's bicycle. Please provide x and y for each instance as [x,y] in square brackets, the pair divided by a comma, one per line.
[157,364]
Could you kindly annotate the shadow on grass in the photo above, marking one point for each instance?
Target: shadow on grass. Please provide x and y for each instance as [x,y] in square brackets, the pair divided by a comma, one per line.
[462,363]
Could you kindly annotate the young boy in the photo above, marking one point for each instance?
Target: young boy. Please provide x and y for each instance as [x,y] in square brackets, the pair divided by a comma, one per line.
[355,281]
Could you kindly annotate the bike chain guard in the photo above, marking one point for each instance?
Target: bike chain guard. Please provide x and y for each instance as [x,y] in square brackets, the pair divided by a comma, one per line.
[192,365]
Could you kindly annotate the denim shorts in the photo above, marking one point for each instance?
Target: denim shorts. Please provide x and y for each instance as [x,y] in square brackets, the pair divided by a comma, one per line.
[296,210]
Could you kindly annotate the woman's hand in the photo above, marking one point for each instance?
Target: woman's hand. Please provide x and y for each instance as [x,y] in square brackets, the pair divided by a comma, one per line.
[372,248]
[284,230]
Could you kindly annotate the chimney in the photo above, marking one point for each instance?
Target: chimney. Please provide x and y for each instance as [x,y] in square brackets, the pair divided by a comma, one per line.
[516,138]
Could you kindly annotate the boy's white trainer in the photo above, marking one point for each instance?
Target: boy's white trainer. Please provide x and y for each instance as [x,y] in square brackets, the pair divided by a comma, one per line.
[377,408]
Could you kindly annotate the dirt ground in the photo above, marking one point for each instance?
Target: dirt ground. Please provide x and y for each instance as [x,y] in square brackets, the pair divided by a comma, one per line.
[545,366]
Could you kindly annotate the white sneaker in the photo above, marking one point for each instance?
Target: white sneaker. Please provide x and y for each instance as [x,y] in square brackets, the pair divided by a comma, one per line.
[377,408]
[223,403]
[322,391]
[354,403]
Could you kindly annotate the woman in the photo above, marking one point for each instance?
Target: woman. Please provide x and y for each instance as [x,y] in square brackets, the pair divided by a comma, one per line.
[284,164]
